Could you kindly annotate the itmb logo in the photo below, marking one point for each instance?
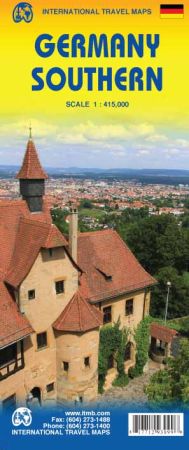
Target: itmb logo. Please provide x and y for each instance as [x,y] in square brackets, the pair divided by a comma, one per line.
[23,12]
[22,416]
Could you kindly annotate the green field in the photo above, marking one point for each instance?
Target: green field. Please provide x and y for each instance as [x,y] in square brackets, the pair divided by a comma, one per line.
[94,212]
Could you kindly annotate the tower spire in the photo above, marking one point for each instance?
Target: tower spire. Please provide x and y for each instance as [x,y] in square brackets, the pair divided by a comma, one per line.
[30,132]
[32,177]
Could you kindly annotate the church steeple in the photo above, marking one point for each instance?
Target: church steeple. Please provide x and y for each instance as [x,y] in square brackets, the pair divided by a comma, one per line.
[32,177]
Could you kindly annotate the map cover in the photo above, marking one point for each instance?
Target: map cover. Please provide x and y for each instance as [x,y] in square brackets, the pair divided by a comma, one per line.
[94,224]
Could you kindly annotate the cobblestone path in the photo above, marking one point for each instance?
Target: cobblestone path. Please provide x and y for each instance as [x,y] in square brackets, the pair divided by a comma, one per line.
[132,393]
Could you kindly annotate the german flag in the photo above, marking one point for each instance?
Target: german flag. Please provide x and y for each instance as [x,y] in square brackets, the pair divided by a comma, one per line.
[169,11]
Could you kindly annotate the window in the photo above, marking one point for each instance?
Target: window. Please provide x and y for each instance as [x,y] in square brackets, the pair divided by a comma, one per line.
[50,387]
[107,314]
[127,355]
[31,294]
[65,366]
[42,340]
[59,286]
[9,403]
[50,252]
[87,361]
[129,307]
[8,354]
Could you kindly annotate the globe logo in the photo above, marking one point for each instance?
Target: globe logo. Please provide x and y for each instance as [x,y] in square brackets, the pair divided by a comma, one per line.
[23,12]
[22,416]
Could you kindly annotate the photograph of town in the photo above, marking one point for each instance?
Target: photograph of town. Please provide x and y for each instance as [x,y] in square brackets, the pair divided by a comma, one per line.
[94,268]
[94,225]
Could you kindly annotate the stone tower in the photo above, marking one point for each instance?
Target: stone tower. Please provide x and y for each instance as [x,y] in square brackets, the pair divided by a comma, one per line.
[32,178]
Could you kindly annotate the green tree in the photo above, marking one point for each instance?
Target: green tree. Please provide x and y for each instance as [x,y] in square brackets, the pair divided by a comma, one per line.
[157,241]
[86,204]
[173,382]
[178,296]
[58,218]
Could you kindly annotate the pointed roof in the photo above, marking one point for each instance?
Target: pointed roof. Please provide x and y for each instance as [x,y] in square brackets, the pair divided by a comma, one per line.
[78,316]
[30,238]
[31,166]
[55,238]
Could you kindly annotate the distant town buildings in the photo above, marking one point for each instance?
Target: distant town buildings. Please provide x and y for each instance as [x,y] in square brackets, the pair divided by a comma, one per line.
[118,195]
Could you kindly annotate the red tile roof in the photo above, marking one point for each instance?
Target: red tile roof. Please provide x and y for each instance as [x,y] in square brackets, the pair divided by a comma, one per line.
[13,325]
[11,211]
[55,238]
[109,267]
[162,332]
[30,238]
[78,316]
[31,166]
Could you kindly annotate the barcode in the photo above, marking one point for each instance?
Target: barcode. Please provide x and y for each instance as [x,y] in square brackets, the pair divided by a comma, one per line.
[169,424]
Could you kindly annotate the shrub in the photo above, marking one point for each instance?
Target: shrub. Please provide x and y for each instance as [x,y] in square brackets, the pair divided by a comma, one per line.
[121,380]
[112,342]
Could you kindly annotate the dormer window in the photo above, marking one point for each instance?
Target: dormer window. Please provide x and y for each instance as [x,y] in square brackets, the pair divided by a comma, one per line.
[31,294]
[107,276]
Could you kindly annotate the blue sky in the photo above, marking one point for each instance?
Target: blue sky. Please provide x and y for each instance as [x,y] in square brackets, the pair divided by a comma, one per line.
[90,144]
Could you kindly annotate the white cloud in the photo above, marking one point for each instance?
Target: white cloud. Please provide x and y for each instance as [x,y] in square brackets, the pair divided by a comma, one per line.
[143,152]
[142,129]
[182,143]
[157,138]
[21,129]
[104,142]
[172,151]
[74,139]
[87,132]
[144,146]
[118,153]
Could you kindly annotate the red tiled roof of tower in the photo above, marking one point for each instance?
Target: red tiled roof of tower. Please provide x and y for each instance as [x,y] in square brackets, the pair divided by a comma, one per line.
[30,238]
[31,166]
[109,267]
[78,316]
[13,325]
[162,332]
[11,211]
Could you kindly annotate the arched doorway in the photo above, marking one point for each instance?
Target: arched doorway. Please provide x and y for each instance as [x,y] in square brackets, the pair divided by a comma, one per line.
[36,393]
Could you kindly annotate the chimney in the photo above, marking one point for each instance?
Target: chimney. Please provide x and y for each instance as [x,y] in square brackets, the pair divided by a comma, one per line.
[73,231]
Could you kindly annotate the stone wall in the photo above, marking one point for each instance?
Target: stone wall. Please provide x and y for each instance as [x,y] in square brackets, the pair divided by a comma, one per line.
[47,305]
[39,371]
[40,364]
[141,302]
[78,381]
